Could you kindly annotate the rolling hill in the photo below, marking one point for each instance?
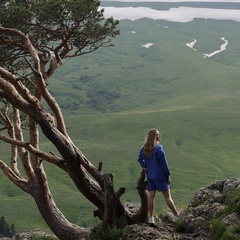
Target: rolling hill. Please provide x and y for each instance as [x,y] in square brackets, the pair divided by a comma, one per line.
[110,99]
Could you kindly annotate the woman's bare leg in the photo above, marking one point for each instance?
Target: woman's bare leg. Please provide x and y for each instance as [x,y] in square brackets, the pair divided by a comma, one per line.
[169,201]
[151,202]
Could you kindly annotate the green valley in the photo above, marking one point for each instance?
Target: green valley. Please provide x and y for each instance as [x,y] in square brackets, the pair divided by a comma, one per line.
[110,99]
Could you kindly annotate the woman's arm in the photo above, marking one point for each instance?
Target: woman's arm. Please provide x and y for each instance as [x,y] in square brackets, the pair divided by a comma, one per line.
[141,159]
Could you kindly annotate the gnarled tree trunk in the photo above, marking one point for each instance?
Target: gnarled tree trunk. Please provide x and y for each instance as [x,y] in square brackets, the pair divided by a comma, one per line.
[54,218]
[97,187]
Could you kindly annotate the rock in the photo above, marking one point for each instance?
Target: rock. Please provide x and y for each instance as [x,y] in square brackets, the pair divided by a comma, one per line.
[142,232]
[132,206]
[215,201]
[210,203]
[29,235]
[231,220]
[220,200]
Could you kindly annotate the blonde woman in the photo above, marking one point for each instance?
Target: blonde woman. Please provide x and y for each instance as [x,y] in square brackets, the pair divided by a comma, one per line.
[153,161]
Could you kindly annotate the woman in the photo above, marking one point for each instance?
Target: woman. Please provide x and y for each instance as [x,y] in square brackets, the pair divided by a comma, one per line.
[153,161]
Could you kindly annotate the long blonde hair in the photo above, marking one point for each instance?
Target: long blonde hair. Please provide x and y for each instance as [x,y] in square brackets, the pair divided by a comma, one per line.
[150,142]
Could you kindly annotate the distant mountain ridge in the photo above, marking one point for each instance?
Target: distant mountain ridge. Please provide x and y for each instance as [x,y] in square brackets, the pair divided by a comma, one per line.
[167,5]
[175,12]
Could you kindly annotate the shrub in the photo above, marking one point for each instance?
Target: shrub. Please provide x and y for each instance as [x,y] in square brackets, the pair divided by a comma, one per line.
[105,234]
[236,229]
[217,229]
[228,235]
[180,226]
[5,230]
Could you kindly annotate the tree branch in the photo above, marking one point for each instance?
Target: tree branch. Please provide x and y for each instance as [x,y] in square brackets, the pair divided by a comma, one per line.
[20,88]
[13,96]
[11,132]
[41,83]
[17,180]
[142,213]
[48,157]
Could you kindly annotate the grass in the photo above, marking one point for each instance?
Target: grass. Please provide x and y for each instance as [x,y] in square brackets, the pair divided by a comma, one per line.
[149,78]
[192,100]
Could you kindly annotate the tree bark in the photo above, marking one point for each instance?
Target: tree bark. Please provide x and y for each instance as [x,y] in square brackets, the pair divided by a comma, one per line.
[142,214]
[57,222]
[111,200]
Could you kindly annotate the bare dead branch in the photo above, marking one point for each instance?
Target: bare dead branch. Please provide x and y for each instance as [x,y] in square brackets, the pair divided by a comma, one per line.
[18,130]
[9,126]
[120,192]
[100,166]
[34,140]
[28,167]
[16,179]
[142,213]
[109,201]
[97,175]
[48,157]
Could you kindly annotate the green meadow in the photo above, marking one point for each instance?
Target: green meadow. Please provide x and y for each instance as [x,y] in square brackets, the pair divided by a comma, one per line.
[112,97]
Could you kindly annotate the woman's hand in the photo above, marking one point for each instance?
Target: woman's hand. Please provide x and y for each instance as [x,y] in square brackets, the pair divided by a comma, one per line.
[169,180]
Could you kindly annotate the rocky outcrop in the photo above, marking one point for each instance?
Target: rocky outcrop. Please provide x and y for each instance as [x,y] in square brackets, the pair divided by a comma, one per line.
[218,201]
[213,213]
[29,235]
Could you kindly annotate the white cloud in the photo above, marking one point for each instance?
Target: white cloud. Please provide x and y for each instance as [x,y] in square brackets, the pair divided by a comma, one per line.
[181,14]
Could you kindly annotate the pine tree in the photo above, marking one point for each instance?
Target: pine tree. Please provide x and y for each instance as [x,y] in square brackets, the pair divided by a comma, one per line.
[5,230]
